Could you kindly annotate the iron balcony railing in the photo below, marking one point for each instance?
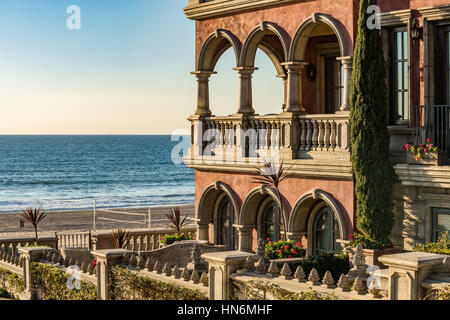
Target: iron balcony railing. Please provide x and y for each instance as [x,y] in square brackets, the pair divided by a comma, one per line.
[432,122]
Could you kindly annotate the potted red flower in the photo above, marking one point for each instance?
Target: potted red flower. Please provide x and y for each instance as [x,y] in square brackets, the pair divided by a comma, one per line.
[372,249]
[424,154]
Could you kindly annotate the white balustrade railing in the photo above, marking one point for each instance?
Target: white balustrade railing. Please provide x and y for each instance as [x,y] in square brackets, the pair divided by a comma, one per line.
[323,132]
[307,136]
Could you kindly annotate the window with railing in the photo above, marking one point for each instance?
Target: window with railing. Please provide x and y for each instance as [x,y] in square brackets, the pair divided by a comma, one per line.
[399,76]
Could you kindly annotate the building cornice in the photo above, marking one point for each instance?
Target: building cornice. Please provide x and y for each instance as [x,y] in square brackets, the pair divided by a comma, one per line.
[436,13]
[395,18]
[300,168]
[423,176]
[197,10]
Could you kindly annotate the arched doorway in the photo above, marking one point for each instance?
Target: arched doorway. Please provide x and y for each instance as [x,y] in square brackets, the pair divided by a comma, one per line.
[321,220]
[325,230]
[260,218]
[226,220]
[323,45]
[271,221]
[217,215]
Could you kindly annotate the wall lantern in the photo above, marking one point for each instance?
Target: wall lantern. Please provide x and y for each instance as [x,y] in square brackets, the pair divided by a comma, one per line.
[415,30]
[311,72]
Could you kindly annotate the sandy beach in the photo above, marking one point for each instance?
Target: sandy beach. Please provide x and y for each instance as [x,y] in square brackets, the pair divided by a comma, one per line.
[82,220]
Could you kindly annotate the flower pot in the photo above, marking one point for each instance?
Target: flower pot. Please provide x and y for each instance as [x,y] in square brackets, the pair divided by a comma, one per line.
[428,159]
[372,255]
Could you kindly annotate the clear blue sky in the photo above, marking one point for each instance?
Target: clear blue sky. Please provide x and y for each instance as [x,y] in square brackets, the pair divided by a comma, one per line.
[125,72]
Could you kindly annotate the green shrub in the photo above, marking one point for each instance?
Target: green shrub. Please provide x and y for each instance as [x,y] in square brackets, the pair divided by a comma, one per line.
[53,283]
[11,280]
[127,285]
[336,264]
[440,247]
[258,290]
[284,249]
[366,243]
[3,293]
[172,238]
[438,294]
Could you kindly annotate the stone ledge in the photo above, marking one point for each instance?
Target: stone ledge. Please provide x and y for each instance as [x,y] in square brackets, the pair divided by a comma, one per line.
[228,257]
[436,12]
[412,260]
[423,176]
[196,10]
[301,168]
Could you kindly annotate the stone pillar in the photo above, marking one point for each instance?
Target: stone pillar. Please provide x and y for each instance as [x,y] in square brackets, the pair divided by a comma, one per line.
[245,90]
[407,271]
[294,86]
[245,238]
[31,255]
[221,266]
[203,92]
[348,70]
[203,230]
[105,260]
[196,150]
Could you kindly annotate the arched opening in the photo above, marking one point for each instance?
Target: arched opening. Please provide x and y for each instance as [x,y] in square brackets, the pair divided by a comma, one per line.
[325,229]
[227,218]
[224,86]
[211,52]
[319,220]
[266,42]
[321,43]
[217,215]
[261,218]
[269,86]
[271,221]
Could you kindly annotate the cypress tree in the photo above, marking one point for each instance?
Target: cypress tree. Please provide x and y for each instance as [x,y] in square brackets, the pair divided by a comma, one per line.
[372,169]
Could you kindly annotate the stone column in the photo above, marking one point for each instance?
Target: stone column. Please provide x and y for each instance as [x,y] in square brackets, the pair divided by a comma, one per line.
[221,265]
[245,90]
[294,86]
[203,92]
[31,255]
[202,230]
[245,238]
[407,271]
[348,70]
[105,260]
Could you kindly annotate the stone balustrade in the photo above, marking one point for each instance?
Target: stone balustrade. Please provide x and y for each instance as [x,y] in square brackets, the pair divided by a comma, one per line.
[191,276]
[138,240]
[294,281]
[324,133]
[12,245]
[241,139]
[75,240]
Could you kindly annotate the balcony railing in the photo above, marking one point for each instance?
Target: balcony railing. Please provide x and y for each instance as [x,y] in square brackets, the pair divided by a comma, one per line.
[238,139]
[432,122]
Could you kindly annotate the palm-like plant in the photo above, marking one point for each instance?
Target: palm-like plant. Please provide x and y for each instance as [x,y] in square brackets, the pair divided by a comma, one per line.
[271,175]
[34,217]
[176,222]
[119,238]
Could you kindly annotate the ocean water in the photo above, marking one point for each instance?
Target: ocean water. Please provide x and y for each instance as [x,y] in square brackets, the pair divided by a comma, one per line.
[69,172]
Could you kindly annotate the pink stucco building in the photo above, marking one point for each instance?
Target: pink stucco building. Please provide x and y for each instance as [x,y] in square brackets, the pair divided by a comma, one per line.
[311,43]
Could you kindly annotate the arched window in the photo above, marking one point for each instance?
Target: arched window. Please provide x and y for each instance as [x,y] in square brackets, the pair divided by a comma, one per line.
[325,231]
[272,222]
[226,233]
